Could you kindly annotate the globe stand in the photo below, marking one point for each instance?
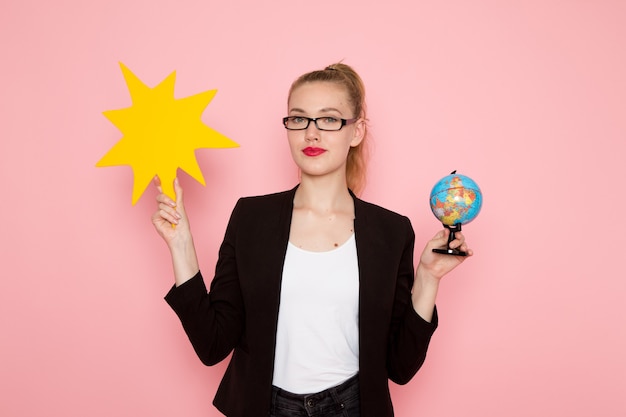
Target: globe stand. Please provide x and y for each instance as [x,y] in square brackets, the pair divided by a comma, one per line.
[448,251]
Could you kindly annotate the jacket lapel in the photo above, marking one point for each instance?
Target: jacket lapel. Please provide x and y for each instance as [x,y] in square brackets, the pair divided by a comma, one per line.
[377,278]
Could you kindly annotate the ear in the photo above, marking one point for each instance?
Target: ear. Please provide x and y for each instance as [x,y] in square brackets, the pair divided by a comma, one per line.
[359,132]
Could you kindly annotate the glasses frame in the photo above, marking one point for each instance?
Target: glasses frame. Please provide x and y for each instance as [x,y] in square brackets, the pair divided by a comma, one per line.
[344,122]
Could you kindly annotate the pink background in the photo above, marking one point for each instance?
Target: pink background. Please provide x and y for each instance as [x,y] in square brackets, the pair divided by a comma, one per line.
[527,97]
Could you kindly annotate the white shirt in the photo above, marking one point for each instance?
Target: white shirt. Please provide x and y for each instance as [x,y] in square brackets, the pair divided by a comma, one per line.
[317,339]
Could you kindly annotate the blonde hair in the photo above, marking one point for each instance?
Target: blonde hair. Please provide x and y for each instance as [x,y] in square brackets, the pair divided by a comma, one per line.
[345,76]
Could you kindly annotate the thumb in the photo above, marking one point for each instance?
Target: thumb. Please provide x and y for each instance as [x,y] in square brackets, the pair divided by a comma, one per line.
[179,194]
[440,239]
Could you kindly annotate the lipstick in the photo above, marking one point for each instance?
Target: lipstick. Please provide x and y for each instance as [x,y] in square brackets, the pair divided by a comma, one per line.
[311,151]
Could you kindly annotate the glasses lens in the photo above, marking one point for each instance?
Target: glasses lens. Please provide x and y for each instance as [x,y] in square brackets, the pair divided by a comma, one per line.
[329,123]
[295,122]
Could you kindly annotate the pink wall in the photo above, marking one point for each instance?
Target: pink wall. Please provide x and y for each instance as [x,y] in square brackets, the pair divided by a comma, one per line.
[526,97]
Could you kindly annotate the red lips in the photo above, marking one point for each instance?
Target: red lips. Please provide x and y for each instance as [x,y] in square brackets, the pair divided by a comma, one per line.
[311,151]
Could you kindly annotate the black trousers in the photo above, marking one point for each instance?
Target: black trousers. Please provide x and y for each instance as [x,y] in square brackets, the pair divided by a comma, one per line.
[339,401]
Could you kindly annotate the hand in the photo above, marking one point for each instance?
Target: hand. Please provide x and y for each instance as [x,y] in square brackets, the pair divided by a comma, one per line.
[432,267]
[170,220]
[437,265]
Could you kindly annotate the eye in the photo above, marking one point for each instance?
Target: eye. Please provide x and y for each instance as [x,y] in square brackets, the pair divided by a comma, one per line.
[298,119]
[330,120]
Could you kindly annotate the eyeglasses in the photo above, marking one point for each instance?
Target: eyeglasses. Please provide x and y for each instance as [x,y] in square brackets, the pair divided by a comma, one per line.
[322,123]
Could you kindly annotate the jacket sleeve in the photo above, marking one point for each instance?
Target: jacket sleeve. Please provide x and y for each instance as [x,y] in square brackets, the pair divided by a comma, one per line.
[212,320]
[409,334]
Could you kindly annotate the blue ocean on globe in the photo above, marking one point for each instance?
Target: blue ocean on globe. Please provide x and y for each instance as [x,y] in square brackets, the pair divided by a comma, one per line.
[456,199]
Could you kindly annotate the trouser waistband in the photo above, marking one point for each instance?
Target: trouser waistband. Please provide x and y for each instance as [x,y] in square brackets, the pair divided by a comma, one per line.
[344,386]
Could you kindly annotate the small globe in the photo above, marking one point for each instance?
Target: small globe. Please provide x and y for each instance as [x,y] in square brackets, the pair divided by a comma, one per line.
[455,200]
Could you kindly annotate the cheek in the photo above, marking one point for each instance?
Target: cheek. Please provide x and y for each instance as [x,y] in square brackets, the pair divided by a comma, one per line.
[350,141]
[292,138]
[294,141]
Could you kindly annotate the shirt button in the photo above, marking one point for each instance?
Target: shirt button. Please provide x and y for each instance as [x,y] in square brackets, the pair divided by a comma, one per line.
[310,403]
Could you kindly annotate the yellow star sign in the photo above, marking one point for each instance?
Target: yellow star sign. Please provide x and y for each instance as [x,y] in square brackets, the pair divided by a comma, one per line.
[161,134]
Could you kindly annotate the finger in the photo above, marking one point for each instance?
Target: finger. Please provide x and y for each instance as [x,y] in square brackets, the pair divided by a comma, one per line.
[170,209]
[465,248]
[167,213]
[172,218]
[167,204]
[161,218]
[458,242]
[440,239]
[442,234]
[179,194]
[157,183]
[164,199]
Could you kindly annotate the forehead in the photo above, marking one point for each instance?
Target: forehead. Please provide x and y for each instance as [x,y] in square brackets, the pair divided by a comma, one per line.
[312,96]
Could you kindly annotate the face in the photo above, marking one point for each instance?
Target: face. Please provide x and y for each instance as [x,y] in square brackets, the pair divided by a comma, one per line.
[318,152]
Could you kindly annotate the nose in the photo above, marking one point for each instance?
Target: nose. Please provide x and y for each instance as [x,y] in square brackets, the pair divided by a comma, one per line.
[312,133]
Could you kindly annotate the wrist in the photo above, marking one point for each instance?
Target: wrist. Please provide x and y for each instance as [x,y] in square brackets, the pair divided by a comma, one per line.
[184,259]
[425,289]
[182,241]
[424,277]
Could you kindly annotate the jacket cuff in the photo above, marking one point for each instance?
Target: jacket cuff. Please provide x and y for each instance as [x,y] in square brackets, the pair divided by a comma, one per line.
[188,291]
[422,324]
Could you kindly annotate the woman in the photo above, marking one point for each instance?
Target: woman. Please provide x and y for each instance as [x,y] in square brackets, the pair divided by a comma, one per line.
[314,290]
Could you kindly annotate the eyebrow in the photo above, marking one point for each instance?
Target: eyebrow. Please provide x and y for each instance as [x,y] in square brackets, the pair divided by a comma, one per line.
[324,110]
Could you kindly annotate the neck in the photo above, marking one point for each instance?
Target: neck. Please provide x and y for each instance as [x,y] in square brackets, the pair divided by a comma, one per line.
[322,194]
